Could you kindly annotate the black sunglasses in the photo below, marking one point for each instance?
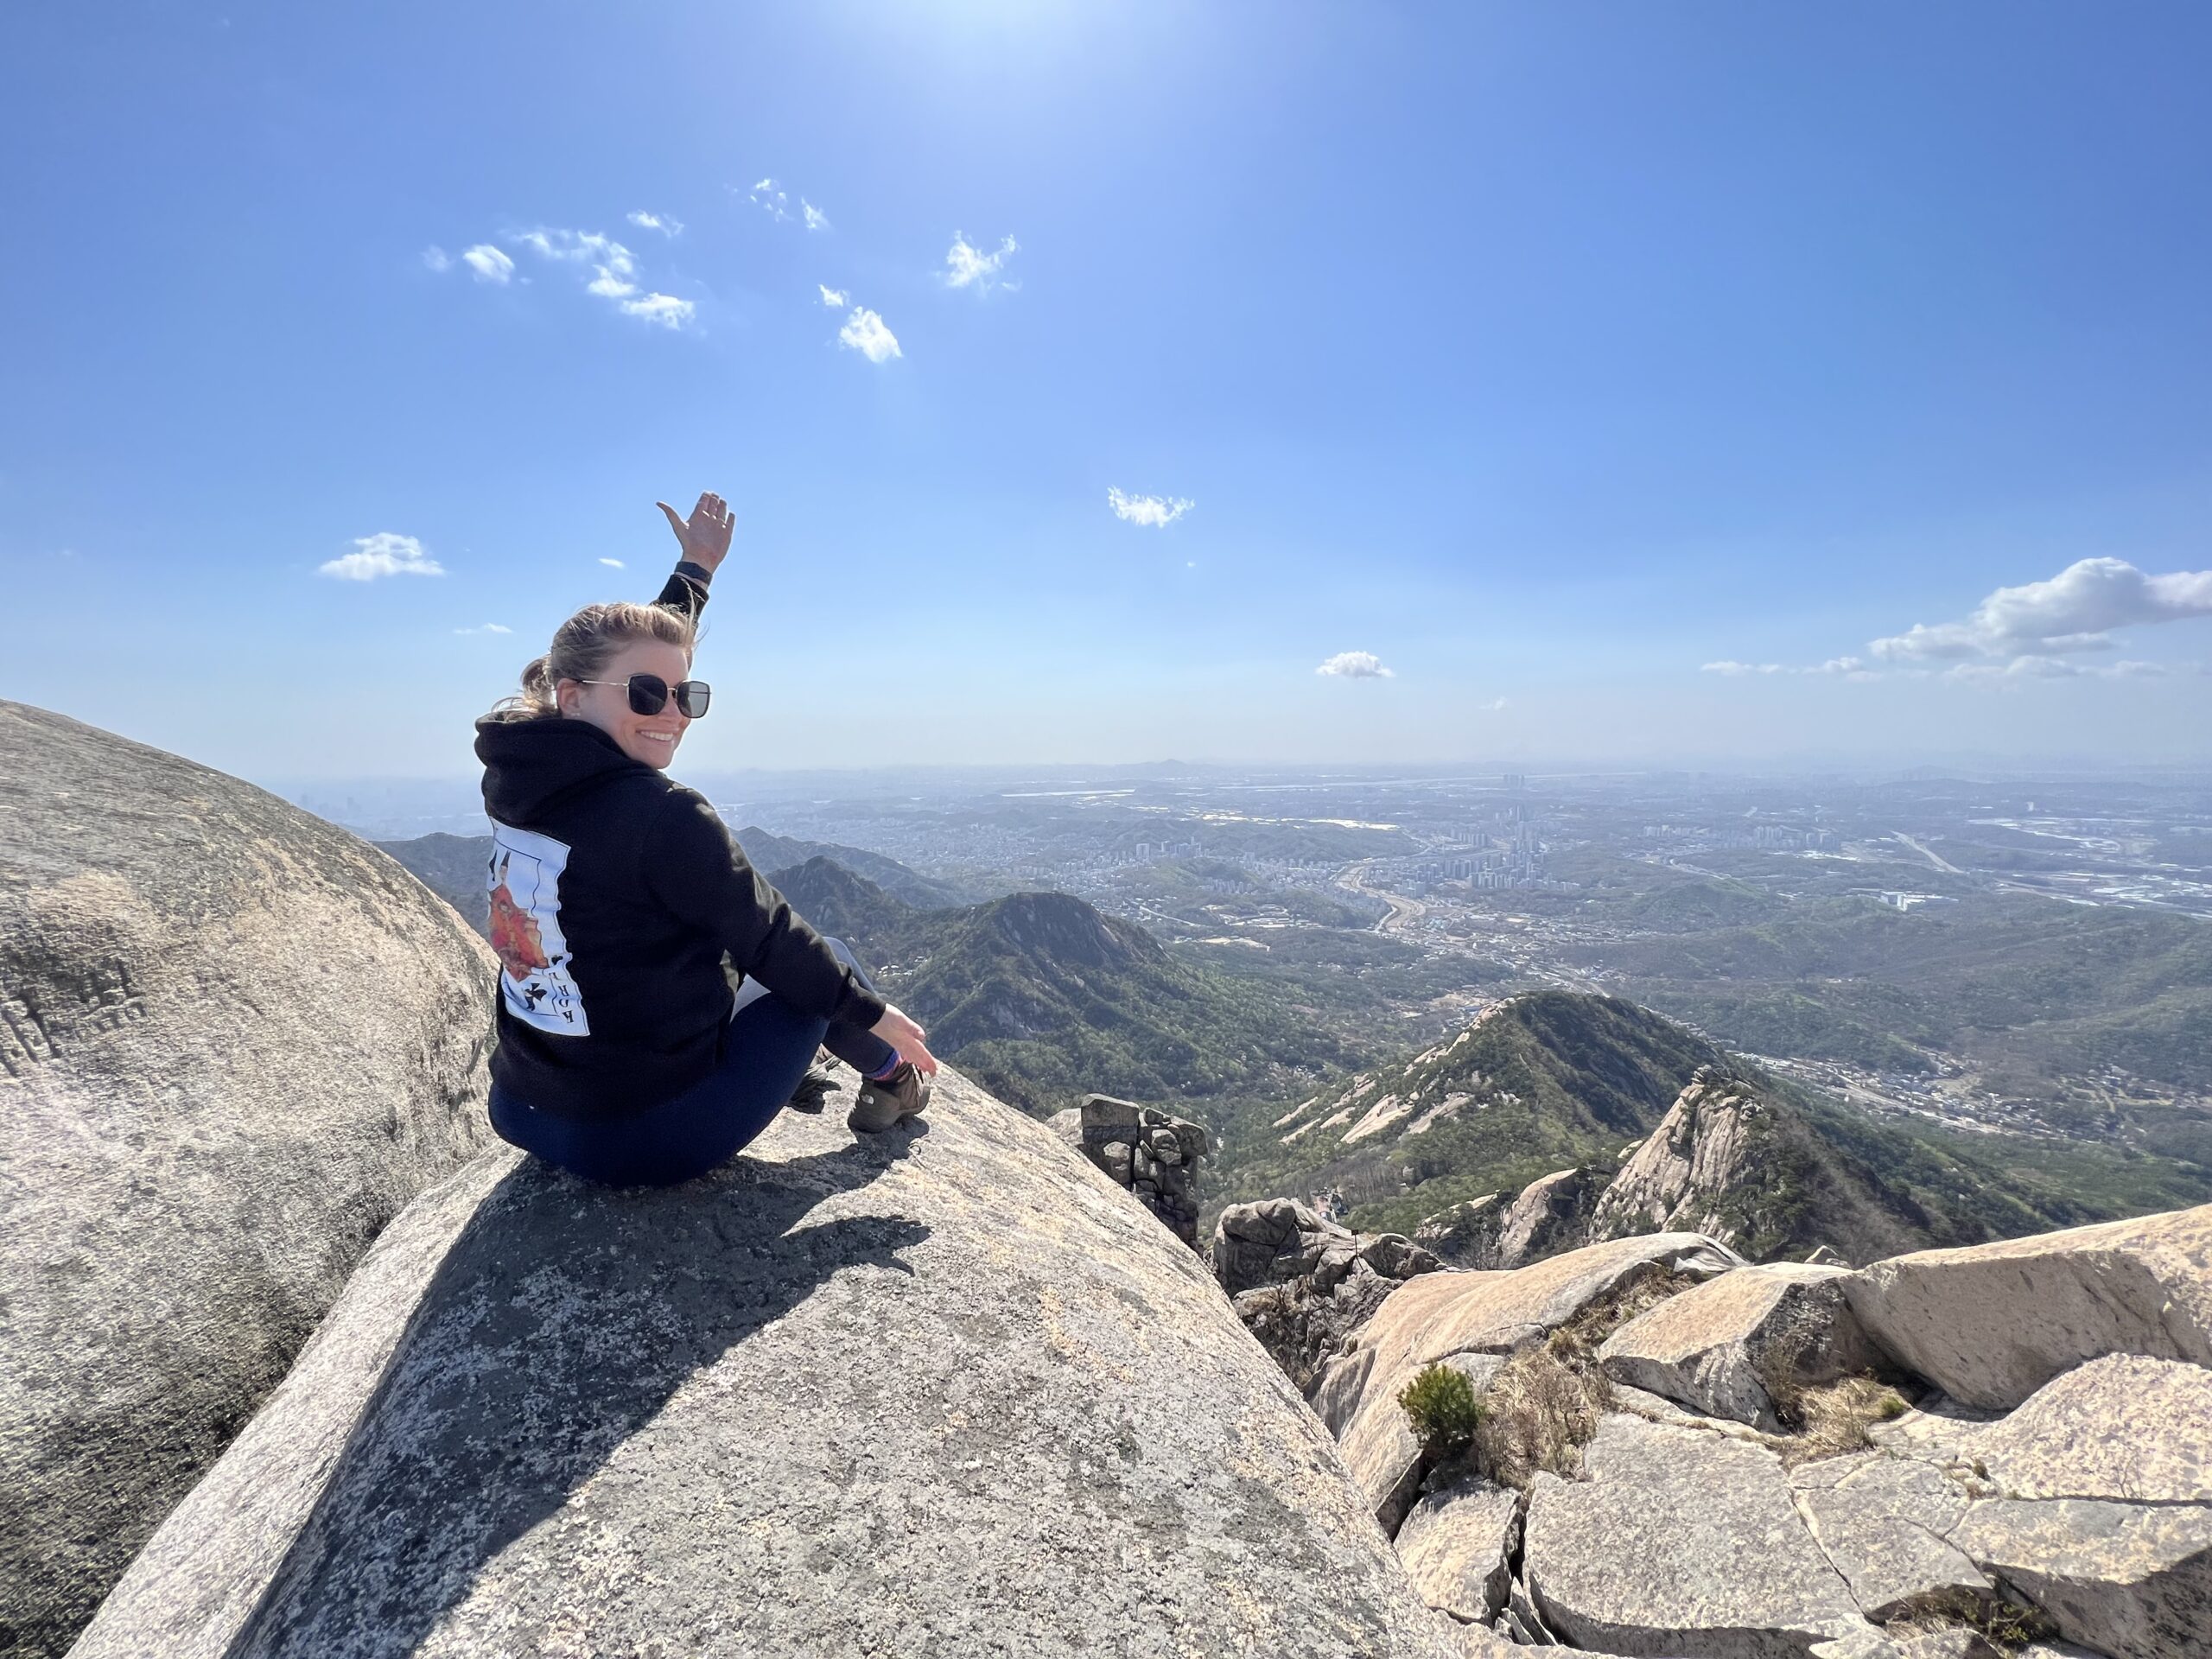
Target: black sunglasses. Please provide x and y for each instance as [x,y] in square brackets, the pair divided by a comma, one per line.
[649,694]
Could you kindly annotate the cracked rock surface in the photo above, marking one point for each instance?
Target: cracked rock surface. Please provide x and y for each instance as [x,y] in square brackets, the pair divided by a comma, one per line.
[949,1391]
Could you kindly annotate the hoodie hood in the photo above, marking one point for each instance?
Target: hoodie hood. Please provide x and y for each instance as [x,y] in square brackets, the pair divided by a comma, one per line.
[529,764]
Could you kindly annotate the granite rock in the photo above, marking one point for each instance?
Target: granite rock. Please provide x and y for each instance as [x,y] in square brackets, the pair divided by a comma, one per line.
[1989,1324]
[234,1041]
[941,1393]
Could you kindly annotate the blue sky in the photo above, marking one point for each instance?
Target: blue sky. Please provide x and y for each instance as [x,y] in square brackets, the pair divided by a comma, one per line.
[1543,354]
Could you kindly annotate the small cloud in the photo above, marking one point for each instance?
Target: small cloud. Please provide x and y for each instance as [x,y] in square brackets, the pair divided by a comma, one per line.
[614,563]
[768,197]
[2052,668]
[1495,705]
[1733,668]
[815,218]
[488,627]
[1156,510]
[437,259]
[2074,611]
[1355,666]
[663,308]
[864,333]
[968,266]
[661,222]
[1847,668]
[834,298]
[383,554]
[608,286]
[491,265]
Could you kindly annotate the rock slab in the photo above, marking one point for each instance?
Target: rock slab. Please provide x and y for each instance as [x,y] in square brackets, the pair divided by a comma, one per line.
[1681,1541]
[1990,1324]
[941,1392]
[234,1041]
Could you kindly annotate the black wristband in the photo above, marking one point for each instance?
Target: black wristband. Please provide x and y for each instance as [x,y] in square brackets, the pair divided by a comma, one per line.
[698,573]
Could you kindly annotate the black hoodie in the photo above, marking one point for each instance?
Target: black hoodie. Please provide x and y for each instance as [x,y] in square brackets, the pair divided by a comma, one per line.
[616,893]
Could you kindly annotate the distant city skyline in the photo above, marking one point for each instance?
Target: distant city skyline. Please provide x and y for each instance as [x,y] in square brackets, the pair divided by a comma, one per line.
[1414,385]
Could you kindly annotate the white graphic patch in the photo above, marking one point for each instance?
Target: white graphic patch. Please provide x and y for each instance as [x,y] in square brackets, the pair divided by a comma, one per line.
[524,878]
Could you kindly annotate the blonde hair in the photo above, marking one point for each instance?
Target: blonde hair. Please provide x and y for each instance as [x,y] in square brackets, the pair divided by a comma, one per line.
[582,647]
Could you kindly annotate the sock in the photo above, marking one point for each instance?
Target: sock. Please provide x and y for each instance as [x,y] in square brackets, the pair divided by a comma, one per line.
[889,1066]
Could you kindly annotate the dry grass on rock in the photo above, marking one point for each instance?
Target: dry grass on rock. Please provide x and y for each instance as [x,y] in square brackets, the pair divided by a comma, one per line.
[1544,1404]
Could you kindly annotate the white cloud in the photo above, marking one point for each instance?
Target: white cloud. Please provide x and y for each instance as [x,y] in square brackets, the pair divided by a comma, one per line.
[2073,611]
[1734,668]
[2052,668]
[767,196]
[613,266]
[1156,510]
[663,308]
[1847,668]
[616,563]
[1495,705]
[864,332]
[968,266]
[490,264]
[437,259]
[383,554]
[1356,665]
[488,627]
[815,218]
[834,298]
[661,222]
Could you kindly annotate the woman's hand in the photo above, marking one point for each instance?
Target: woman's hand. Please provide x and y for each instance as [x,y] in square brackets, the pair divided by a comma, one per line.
[902,1034]
[705,538]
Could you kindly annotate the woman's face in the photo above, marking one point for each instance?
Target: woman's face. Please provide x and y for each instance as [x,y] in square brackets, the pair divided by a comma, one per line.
[650,738]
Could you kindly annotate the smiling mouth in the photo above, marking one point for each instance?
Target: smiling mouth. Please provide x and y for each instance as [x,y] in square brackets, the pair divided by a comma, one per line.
[658,737]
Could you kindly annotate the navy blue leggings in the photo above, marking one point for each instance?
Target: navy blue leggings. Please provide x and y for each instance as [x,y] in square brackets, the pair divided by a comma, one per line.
[767,1052]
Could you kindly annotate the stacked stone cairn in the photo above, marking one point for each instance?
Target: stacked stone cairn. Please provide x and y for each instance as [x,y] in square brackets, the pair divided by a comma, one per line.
[1154,1154]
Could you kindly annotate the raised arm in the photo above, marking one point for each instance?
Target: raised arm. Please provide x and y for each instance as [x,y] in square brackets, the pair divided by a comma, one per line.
[704,538]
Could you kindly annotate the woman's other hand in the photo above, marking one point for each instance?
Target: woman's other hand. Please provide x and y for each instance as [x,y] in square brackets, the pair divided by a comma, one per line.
[902,1034]
[705,535]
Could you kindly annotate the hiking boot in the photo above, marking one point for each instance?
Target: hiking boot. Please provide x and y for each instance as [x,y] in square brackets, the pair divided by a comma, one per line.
[812,1093]
[898,1097]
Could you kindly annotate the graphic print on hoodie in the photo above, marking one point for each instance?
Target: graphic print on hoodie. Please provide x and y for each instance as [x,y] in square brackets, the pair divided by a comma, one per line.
[524,874]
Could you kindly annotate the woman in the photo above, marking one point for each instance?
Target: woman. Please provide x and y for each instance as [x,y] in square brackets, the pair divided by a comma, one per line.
[625,1053]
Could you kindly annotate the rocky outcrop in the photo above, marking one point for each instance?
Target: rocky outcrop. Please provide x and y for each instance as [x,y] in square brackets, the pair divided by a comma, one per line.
[1990,1324]
[1465,1236]
[1438,1317]
[1552,1214]
[1724,1347]
[1734,1162]
[236,1040]
[1300,1284]
[904,1395]
[1154,1155]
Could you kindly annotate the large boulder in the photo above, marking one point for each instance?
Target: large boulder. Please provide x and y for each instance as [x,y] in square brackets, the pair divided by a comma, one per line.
[1682,1541]
[1724,1346]
[1990,1324]
[1457,1544]
[2120,1427]
[1441,1315]
[949,1392]
[236,1041]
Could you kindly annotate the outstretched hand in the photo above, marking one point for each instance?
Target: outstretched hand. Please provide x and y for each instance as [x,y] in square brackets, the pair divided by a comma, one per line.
[902,1034]
[705,535]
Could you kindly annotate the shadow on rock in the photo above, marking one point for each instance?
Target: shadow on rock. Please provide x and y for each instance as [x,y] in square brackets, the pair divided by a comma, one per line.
[561,1321]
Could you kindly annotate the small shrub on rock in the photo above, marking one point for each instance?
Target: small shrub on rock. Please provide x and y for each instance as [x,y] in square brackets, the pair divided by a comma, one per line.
[1441,1405]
